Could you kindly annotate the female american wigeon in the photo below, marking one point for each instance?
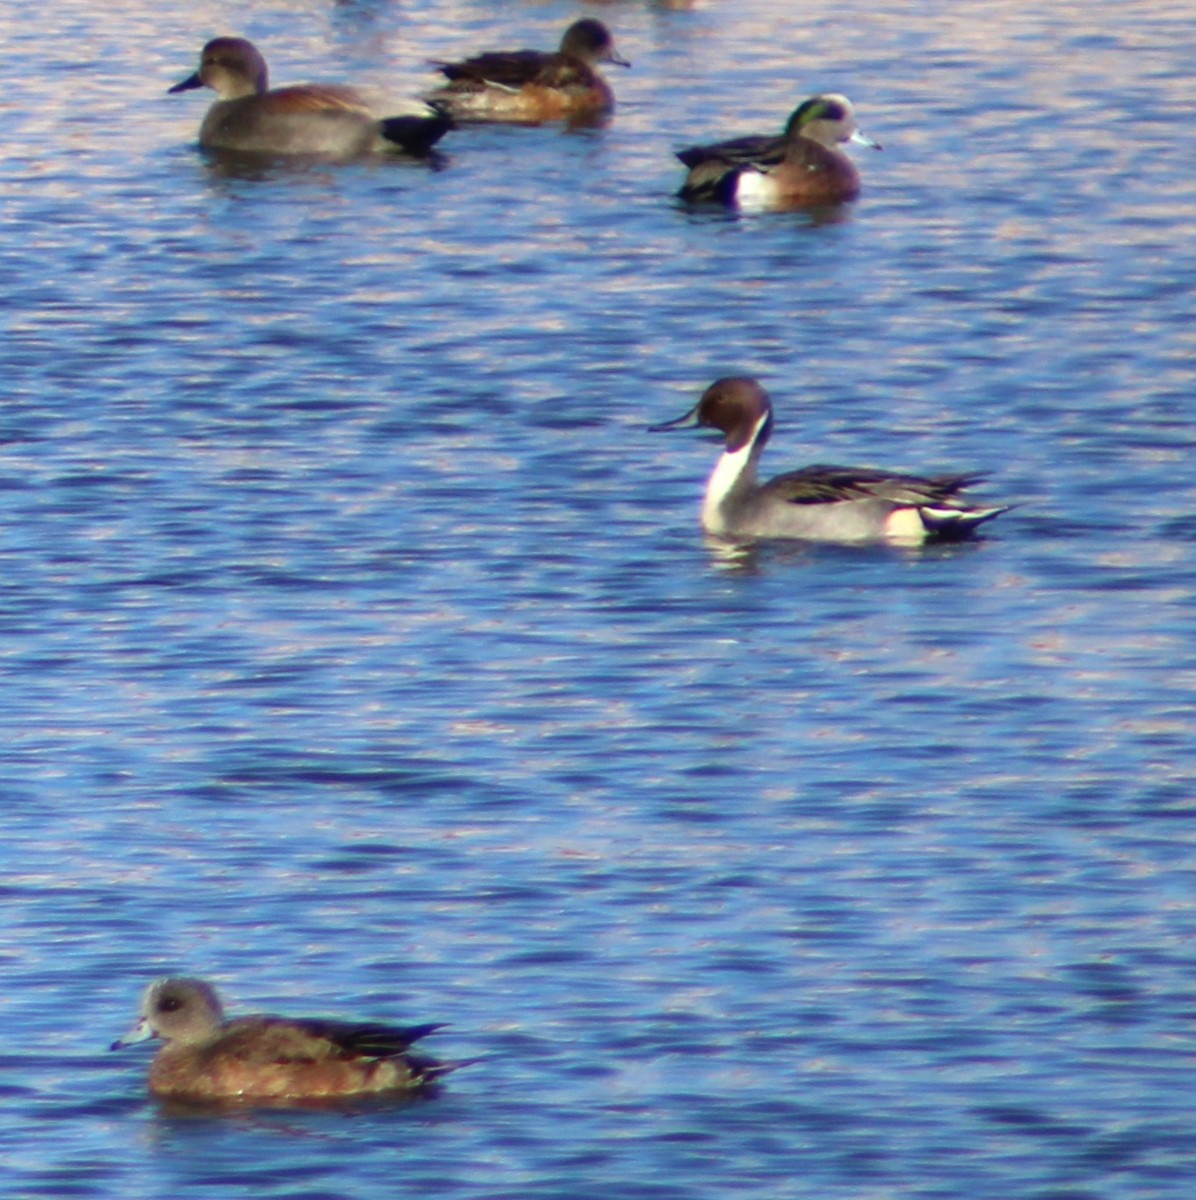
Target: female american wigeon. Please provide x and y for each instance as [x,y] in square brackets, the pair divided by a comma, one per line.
[533,85]
[803,166]
[316,119]
[262,1058]
[820,503]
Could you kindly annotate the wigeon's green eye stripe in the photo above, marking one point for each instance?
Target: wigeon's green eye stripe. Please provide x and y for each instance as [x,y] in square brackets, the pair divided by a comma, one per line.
[821,503]
[529,86]
[270,1059]
[805,112]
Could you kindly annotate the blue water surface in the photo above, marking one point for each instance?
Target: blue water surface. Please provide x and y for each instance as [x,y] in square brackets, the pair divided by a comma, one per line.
[362,653]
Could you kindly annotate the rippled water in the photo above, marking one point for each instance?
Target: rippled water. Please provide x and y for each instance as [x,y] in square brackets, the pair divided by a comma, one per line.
[361,651]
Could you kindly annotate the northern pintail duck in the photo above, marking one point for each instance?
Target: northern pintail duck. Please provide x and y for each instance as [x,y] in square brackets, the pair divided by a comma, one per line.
[533,85]
[263,1058]
[802,166]
[316,119]
[820,503]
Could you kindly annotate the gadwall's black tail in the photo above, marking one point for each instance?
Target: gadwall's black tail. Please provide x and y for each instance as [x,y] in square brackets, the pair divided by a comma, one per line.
[418,134]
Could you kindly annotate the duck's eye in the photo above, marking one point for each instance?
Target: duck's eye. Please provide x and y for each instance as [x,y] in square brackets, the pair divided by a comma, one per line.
[169,1004]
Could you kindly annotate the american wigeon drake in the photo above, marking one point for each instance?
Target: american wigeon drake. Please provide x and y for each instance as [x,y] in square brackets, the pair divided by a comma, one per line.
[264,1058]
[803,166]
[323,120]
[820,503]
[533,85]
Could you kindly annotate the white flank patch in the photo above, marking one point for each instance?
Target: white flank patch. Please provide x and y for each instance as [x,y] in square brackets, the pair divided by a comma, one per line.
[905,525]
[753,188]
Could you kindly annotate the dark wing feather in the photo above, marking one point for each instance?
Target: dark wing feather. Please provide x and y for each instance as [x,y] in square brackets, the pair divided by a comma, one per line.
[366,1040]
[712,179]
[750,151]
[269,1040]
[713,170]
[517,69]
[507,68]
[826,485]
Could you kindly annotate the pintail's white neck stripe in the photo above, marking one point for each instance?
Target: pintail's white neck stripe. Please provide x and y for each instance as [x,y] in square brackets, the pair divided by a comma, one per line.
[734,467]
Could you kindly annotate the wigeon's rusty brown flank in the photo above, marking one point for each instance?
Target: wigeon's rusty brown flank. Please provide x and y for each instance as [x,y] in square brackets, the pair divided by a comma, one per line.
[205,1057]
[818,503]
[527,86]
[323,120]
[801,167]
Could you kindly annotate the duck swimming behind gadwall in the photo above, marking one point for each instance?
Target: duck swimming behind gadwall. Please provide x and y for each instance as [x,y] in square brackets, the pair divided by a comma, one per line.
[323,120]
[820,503]
[263,1058]
[533,85]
